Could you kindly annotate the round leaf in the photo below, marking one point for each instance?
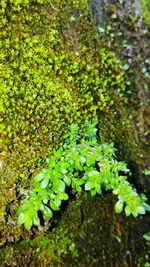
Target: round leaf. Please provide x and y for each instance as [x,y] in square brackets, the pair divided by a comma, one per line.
[21,218]
[119,207]
[67,180]
[47,213]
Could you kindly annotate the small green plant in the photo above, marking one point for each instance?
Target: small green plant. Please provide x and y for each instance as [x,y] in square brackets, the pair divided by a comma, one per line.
[81,163]
[146,236]
[146,172]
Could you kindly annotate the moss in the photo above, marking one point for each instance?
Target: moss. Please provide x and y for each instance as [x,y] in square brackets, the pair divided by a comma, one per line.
[57,69]
[123,32]
[50,78]
[146,10]
[83,237]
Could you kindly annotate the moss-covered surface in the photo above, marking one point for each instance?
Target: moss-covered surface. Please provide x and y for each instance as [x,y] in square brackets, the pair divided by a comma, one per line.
[89,233]
[146,10]
[56,68]
[126,35]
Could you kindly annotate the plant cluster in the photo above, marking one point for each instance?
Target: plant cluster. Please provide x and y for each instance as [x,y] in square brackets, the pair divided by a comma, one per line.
[79,164]
[49,79]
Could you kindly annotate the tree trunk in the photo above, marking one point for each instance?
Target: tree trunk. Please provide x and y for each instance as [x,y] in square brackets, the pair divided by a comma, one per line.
[64,62]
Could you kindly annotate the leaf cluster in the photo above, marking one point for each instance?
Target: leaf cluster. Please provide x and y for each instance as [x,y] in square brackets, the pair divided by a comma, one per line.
[80,165]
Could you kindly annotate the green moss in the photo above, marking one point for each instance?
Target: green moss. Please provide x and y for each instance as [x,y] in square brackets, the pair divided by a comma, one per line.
[146,10]
[56,69]
[49,78]
[42,250]
[81,238]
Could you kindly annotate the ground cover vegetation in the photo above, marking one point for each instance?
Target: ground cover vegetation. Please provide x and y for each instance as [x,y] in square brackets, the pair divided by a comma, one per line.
[77,164]
[45,86]
[57,69]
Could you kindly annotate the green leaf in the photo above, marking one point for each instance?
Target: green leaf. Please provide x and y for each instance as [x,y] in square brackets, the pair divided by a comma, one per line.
[89,185]
[93,174]
[47,213]
[127,210]
[28,223]
[116,191]
[119,207]
[143,197]
[51,162]
[21,218]
[57,201]
[36,221]
[45,201]
[134,213]
[98,188]
[62,196]
[45,182]
[146,206]
[64,171]
[57,154]
[67,180]
[54,205]
[59,185]
[83,159]
[38,177]
[93,192]
[146,172]
[147,236]
[78,188]
[42,207]
[90,160]
[52,195]
[22,207]
[140,210]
